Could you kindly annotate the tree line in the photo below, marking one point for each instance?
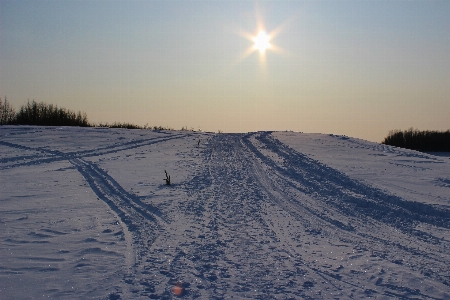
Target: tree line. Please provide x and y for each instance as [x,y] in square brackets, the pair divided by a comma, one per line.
[43,114]
[34,113]
[414,139]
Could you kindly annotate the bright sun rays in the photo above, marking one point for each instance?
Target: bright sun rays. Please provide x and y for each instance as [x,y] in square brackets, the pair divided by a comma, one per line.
[262,41]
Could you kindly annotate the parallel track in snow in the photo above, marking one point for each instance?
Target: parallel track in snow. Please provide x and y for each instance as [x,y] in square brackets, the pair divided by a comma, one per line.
[45,155]
[326,183]
[141,222]
[270,214]
[354,212]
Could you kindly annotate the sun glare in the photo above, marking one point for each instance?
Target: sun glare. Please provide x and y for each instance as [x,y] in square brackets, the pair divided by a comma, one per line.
[261,42]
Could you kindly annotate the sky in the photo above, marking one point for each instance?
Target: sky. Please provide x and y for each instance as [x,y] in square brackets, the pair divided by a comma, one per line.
[357,68]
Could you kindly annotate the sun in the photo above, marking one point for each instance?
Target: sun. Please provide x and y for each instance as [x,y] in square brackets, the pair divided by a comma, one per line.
[262,41]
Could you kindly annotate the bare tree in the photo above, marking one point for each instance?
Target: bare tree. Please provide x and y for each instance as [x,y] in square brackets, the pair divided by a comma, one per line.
[7,113]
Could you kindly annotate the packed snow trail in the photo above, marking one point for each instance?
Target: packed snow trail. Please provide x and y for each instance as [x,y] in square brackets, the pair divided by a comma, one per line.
[247,217]
[275,223]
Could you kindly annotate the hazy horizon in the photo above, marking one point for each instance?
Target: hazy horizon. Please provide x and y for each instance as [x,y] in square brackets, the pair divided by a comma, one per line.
[358,68]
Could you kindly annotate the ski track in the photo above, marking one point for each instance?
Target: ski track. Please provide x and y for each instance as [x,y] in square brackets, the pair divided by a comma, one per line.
[140,222]
[48,156]
[248,181]
[338,197]
[262,221]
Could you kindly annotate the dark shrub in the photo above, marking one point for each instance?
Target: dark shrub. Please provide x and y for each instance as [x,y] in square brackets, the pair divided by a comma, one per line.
[425,141]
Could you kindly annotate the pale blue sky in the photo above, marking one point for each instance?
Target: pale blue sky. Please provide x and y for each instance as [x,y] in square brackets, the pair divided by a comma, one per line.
[359,68]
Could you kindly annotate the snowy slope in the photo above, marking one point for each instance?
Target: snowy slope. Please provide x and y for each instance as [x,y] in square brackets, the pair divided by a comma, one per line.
[85,213]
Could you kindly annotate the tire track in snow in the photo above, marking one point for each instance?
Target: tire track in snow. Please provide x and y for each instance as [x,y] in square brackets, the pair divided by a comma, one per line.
[315,223]
[270,233]
[141,222]
[230,257]
[248,247]
[103,192]
[48,156]
[339,200]
[106,186]
[327,182]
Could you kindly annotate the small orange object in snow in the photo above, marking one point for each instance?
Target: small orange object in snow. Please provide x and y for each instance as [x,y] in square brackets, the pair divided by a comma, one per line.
[178,289]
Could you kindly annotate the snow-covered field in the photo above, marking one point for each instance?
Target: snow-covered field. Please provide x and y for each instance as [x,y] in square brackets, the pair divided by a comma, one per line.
[85,213]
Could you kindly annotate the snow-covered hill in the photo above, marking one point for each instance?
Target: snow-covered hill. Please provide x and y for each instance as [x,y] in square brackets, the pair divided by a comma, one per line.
[85,213]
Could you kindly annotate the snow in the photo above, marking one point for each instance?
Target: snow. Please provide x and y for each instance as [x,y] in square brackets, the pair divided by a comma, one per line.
[85,213]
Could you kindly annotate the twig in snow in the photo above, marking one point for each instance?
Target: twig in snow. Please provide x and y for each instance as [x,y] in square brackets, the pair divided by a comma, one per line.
[167,179]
